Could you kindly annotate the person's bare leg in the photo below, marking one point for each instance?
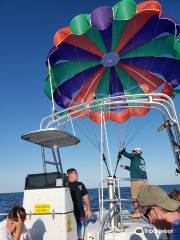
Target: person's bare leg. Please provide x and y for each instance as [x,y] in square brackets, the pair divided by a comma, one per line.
[136,213]
[135,188]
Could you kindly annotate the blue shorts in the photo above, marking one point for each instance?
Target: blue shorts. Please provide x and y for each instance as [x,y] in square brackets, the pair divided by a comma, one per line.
[80,228]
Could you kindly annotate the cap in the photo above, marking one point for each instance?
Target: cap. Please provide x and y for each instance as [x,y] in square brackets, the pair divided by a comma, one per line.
[150,195]
[137,150]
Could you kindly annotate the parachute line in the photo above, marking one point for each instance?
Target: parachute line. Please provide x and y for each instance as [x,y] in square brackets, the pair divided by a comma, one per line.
[107,144]
[50,78]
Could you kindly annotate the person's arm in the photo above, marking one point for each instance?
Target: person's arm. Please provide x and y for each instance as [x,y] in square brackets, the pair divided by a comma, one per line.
[88,205]
[126,154]
[19,227]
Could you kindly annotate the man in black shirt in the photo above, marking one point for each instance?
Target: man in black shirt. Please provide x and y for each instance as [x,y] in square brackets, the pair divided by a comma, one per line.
[78,194]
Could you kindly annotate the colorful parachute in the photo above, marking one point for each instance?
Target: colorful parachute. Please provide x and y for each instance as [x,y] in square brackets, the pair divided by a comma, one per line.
[127,49]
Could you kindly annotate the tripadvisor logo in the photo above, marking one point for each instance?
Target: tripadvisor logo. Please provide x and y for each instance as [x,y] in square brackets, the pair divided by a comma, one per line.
[147,230]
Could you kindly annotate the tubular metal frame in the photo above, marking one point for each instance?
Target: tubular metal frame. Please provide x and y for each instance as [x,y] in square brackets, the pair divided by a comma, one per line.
[153,100]
[114,214]
[158,101]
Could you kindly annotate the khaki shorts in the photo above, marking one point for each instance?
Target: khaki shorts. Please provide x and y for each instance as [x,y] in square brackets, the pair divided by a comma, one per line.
[136,186]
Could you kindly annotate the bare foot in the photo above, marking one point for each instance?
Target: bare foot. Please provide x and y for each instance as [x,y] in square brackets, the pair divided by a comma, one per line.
[135,215]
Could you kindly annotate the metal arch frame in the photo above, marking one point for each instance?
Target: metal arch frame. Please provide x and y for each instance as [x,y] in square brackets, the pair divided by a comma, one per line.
[158,101]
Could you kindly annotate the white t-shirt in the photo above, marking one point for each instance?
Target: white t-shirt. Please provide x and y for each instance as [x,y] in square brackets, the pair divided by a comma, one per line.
[4,232]
[6,235]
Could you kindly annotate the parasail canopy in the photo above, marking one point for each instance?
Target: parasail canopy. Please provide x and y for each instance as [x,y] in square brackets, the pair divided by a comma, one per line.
[121,50]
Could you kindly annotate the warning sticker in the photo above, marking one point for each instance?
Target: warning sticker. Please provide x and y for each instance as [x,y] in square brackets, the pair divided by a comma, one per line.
[42,208]
[69,223]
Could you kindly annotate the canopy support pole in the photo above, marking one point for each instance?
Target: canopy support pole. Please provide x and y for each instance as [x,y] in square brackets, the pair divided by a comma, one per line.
[55,159]
[43,159]
[174,140]
[59,159]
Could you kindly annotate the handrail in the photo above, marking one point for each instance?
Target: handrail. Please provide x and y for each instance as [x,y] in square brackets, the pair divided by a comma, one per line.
[113,214]
[111,217]
[3,214]
[106,219]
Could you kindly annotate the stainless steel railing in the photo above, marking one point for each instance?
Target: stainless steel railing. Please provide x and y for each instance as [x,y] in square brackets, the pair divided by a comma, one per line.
[113,220]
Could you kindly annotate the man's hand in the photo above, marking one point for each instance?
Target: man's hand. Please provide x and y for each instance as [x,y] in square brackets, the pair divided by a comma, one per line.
[123,150]
[88,205]
[121,153]
[88,213]
[20,223]
[19,227]
[122,166]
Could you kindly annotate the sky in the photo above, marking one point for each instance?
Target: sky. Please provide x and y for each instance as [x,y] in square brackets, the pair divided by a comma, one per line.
[27,30]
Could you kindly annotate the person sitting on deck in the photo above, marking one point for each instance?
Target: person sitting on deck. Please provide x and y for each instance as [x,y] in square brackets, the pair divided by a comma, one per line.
[160,210]
[137,174]
[13,227]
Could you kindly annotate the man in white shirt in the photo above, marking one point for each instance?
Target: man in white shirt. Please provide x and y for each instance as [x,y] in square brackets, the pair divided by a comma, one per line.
[12,227]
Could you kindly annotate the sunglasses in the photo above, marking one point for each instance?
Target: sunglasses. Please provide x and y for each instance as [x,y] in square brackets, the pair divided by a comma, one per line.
[145,211]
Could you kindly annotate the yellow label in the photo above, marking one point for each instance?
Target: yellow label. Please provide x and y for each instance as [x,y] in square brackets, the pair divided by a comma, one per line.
[69,223]
[42,208]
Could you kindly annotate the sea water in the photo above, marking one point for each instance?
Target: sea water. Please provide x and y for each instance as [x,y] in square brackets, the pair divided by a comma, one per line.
[8,200]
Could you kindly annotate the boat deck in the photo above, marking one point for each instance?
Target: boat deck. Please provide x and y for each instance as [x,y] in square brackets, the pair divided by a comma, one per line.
[133,229]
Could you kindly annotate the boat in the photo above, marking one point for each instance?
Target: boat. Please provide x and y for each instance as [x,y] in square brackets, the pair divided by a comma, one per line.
[47,198]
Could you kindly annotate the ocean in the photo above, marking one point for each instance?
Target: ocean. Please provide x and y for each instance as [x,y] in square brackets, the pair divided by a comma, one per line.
[8,200]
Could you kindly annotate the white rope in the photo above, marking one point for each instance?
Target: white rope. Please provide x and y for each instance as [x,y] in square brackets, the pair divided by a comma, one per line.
[107,143]
[101,152]
[72,125]
[50,78]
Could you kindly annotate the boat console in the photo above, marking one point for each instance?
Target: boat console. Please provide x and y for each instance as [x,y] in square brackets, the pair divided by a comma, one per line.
[47,198]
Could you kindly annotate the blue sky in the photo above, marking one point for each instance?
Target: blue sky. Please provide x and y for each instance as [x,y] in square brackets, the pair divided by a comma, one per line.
[27,30]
